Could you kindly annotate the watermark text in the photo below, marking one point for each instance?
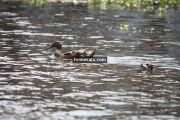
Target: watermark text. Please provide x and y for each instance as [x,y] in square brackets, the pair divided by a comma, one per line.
[90,60]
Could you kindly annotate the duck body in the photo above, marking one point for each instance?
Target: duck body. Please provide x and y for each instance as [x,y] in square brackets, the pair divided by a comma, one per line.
[72,54]
[67,55]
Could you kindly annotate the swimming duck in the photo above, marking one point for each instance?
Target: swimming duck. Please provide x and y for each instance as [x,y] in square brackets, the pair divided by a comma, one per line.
[71,54]
[147,67]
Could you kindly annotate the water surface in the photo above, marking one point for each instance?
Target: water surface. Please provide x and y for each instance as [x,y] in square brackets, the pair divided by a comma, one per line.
[36,85]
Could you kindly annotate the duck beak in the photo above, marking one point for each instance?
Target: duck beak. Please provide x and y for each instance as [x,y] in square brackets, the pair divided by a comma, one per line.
[47,48]
[50,47]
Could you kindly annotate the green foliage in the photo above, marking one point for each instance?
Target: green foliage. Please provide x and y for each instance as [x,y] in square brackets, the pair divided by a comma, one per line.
[37,2]
[160,6]
[144,5]
[95,2]
[137,3]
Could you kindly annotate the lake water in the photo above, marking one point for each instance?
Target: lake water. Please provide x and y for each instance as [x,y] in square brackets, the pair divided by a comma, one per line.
[35,85]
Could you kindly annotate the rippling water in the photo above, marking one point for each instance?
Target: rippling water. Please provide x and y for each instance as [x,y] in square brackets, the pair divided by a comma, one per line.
[36,85]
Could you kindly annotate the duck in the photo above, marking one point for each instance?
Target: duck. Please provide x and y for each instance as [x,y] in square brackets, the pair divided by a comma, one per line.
[147,67]
[71,54]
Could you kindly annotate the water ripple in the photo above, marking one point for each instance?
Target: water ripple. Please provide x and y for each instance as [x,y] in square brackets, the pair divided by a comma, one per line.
[34,84]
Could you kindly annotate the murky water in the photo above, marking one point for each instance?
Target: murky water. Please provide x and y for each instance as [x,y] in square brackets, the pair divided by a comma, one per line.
[36,85]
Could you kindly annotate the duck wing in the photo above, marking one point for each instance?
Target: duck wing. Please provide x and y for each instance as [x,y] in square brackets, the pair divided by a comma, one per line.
[79,53]
[86,53]
[67,55]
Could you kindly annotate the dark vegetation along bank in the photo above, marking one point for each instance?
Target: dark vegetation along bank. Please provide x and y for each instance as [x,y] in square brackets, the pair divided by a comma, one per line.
[159,6]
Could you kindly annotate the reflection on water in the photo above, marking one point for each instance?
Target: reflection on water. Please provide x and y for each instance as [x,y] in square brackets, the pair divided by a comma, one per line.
[36,85]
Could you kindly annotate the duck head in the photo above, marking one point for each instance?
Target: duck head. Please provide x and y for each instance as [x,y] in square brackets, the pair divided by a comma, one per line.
[57,45]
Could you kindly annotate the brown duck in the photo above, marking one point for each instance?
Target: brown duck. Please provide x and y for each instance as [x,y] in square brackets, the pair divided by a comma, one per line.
[71,54]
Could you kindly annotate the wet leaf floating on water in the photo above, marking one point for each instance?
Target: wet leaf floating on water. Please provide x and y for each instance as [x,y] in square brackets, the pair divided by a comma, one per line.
[124,26]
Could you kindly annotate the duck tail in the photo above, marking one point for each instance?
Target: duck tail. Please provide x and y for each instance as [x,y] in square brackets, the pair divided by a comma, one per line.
[92,53]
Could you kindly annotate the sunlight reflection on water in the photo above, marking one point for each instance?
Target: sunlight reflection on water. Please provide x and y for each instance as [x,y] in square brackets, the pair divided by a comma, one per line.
[36,85]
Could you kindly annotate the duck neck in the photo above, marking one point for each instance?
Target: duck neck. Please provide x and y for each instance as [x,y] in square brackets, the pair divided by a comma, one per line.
[57,51]
[57,54]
